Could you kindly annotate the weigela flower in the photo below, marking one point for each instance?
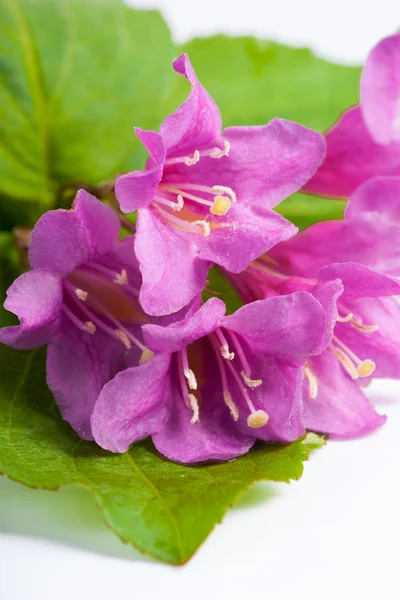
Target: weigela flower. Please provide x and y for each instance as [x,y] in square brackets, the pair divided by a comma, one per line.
[216,383]
[359,258]
[365,142]
[206,196]
[81,299]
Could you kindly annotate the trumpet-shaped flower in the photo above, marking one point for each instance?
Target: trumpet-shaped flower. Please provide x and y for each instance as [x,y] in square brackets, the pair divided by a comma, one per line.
[365,142]
[81,298]
[206,195]
[360,256]
[216,383]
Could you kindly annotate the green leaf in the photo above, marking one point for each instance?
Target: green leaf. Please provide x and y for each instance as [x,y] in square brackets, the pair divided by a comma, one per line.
[75,78]
[9,270]
[160,507]
[254,81]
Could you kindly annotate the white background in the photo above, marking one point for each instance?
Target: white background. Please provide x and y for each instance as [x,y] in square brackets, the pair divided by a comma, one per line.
[335,533]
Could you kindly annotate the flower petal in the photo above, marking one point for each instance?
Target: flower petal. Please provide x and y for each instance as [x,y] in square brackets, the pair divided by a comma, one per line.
[265,163]
[78,366]
[137,189]
[360,281]
[133,405]
[252,230]
[380,91]
[195,325]
[172,273]
[36,298]
[196,124]
[215,435]
[64,239]
[287,327]
[340,409]
[352,157]
[376,200]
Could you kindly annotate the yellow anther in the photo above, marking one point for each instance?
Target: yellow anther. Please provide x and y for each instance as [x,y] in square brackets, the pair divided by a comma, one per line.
[205,226]
[191,379]
[221,205]
[179,203]
[81,294]
[90,327]
[257,419]
[231,405]
[366,368]
[146,355]
[251,383]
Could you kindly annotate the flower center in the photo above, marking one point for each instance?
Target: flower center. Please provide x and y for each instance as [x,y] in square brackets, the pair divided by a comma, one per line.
[187,198]
[233,363]
[99,298]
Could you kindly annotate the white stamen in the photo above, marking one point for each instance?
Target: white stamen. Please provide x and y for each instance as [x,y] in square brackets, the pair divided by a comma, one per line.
[346,362]
[81,294]
[251,383]
[205,225]
[90,327]
[121,335]
[192,161]
[194,405]
[223,189]
[231,405]
[179,204]
[226,354]
[218,153]
[122,278]
[257,419]
[191,379]
[312,382]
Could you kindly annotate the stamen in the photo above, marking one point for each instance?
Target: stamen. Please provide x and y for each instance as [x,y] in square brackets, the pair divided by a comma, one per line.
[223,189]
[191,226]
[205,225]
[231,405]
[176,206]
[221,206]
[121,335]
[194,405]
[345,319]
[246,372]
[225,388]
[359,325]
[122,278]
[190,376]
[364,367]
[187,160]
[312,381]
[110,273]
[225,352]
[257,419]
[217,152]
[88,326]
[146,355]
[251,383]
[346,362]
[82,295]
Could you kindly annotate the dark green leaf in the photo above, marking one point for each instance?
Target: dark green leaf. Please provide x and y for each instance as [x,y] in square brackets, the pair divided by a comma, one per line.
[160,507]
[75,78]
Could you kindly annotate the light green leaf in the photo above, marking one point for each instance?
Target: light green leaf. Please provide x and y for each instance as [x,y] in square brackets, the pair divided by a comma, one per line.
[75,78]
[160,507]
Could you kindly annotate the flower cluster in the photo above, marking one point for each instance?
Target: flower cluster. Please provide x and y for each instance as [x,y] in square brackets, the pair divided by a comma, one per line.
[133,351]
